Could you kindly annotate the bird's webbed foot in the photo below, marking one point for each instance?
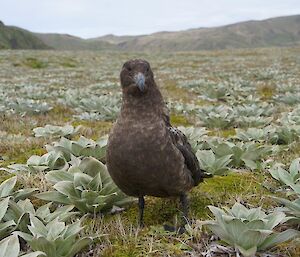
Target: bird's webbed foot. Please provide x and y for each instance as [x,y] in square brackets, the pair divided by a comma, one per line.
[179,230]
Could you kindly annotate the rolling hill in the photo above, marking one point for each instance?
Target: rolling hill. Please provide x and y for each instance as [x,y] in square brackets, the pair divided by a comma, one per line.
[280,31]
[69,42]
[16,38]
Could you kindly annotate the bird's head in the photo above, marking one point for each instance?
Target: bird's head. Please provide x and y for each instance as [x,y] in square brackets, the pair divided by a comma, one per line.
[136,77]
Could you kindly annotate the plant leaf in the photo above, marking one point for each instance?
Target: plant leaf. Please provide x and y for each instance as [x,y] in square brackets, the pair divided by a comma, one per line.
[6,187]
[278,238]
[53,196]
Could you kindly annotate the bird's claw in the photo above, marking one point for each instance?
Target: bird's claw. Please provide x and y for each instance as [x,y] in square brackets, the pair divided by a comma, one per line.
[179,230]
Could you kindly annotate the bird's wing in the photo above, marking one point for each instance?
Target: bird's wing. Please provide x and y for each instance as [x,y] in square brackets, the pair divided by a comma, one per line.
[181,142]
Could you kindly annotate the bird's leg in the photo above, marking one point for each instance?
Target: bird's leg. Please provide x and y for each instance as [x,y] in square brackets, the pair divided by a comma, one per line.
[185,220]
[184,201]
[141,211]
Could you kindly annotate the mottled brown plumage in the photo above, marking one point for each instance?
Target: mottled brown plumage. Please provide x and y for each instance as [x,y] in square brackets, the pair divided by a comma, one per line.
[145,154]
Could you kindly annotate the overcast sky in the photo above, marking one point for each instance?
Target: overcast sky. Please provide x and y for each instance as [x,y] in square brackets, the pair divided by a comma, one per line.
[92,18]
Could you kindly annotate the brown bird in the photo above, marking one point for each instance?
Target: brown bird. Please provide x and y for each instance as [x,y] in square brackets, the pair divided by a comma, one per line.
[145,154]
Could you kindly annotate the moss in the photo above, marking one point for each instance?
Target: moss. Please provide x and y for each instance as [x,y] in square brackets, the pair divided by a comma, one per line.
[224,190]
[221,185]
[204,102]
[34,63]
[69,63]
[228,132]
[179,120]
[23,155]
[223,133]
[121,250]
[198,205]
[266,91]
[4,175]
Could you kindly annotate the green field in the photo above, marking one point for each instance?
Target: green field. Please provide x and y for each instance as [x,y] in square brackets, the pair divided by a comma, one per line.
[239,108]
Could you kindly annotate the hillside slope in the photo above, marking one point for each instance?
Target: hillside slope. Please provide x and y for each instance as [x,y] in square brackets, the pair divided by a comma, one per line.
[69,42]
[17,38]
[282,31]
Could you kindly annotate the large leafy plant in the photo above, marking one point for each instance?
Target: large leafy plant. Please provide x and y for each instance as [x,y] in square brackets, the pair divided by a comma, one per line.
[216,92]
[253,115]
[55,239]
[61,154]
[291,118]
[249,230]
[104,107]
[251,134]
[28,106]
[82,147]
[10,247]
[49,161]
[51,131]
[87,186]
[6,227]
[252,121]
[290,180]
[180,107]
[15,215]
[243,154]
[278,135]
[284,135]
[44,213]
[288,98]
[212,164]
[8,221]
[216,117]
[291,207]
[287,177]
[7,188]
[195,135]
[250,110]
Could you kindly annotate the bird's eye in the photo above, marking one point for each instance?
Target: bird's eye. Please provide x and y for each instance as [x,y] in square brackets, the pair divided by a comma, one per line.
[129,68]
[147,69]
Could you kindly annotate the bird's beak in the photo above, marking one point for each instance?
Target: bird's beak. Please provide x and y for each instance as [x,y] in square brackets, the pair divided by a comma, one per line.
[139,79]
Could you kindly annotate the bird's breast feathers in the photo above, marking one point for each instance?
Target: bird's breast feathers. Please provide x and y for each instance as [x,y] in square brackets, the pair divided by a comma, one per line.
[135,136]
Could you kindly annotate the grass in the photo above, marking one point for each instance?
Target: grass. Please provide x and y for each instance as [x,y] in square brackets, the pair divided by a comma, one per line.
[62,71]
[35,63]
[266,91]
[174,92]
[180,120]
[69,63]
[222,133]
